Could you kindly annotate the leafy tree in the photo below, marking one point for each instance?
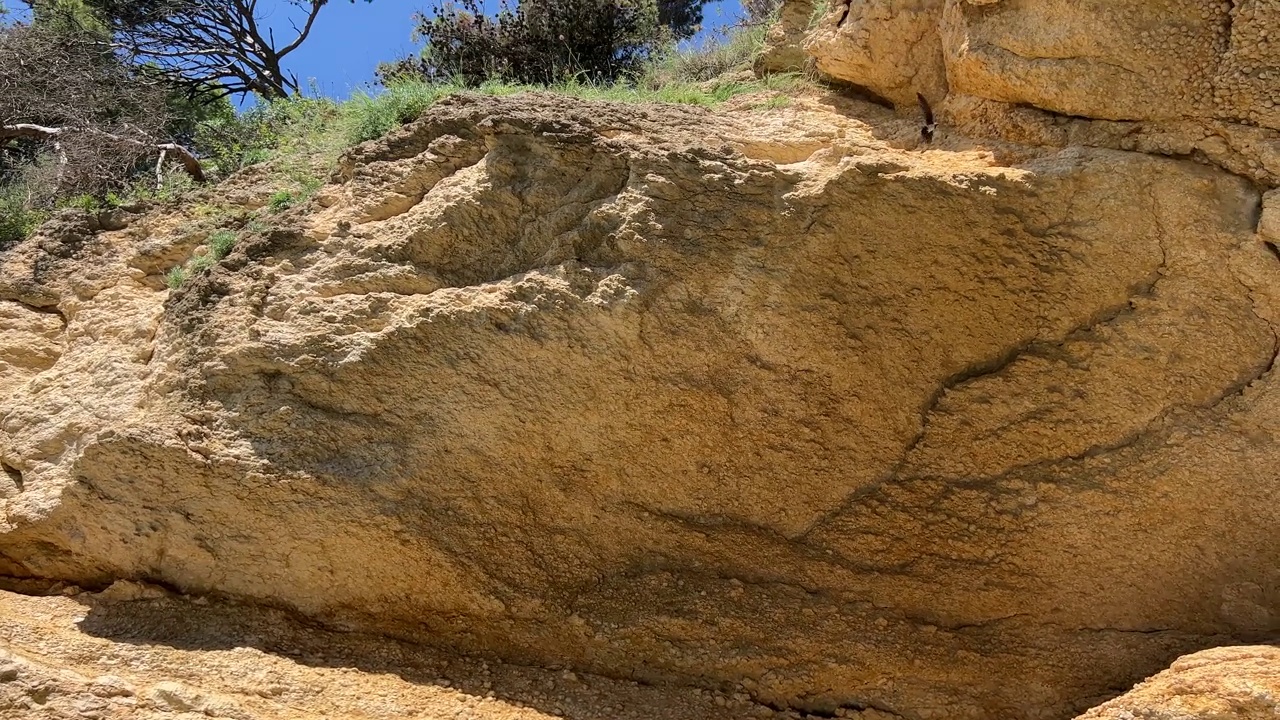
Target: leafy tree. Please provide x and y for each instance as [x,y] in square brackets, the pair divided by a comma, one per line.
[66,16]
[544,41]
[684,17]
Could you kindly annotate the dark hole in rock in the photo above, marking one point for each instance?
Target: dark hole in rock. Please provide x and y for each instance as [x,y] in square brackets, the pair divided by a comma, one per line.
[14,474]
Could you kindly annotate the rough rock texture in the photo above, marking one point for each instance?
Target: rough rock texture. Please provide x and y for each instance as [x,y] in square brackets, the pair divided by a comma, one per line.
[954,434]
[1229,683]
[890,47]
[1178,77]
[1269,218]
[783,49]
[140,653]
[1148,60]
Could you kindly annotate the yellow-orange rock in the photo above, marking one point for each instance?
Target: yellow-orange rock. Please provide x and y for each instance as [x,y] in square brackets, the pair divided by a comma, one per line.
[783,49]
[1228,683]
[960,433]
[890,47]
[1163,60]
[135,652]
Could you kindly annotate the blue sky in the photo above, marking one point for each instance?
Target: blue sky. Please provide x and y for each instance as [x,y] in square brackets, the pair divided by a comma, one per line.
[349,40]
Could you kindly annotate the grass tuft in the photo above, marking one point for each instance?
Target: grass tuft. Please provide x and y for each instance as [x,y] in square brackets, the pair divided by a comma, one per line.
[220,243]
[176,276]
[820,9]
[281,201]
[368,117]
[716,57]
[17,218]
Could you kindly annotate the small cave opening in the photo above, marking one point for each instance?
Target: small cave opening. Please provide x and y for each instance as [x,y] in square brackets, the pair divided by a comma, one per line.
[13,473]
[1272,248]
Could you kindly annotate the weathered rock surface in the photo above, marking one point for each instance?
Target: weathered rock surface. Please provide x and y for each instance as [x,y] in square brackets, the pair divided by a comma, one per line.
[1149,60]
[890,47]
[1176,77]
[140,653]
[952,434]
[783,49]
[1229,683]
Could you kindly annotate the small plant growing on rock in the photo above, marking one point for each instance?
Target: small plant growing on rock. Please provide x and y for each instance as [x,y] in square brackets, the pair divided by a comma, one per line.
[220,243]
[200,263]
[175,277]
[281,201]
[219,246]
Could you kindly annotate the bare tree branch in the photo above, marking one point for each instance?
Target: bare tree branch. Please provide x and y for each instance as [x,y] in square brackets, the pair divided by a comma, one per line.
[30,131]
[66,95]
[202,42]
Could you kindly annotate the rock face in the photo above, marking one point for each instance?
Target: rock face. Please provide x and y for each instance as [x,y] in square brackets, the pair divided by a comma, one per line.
[844,426]
[890,47]
[783,49]
[1229,683]
[1150,60]
[140,653]
[1175,77]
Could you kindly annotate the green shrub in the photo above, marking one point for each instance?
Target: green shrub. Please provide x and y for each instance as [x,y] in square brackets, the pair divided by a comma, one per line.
[281,201]
[367,117]
[540,42]
[175,277]
[220,243]
[17,220]
[229,142]
[87,203]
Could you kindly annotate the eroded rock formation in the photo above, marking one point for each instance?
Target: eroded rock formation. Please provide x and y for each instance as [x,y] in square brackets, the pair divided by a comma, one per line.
[137,652]
[841,425]
[1229,683]
[1173,77]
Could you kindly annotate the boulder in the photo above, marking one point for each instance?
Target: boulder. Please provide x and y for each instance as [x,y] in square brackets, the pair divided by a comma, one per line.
[1226,683]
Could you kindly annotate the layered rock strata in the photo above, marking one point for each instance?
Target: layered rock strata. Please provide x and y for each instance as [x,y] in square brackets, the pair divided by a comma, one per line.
[1174,77]
[849,427]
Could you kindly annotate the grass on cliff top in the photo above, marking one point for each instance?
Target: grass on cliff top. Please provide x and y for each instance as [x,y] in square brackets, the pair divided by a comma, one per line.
[367,117]
[301,135]
[699,76]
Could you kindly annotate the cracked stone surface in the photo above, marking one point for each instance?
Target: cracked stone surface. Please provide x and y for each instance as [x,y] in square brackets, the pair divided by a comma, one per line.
[968,433]
[1190,78]
[1149,60]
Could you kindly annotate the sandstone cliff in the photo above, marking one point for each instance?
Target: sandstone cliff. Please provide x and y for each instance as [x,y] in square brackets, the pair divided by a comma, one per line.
[1173,77]
[766,400]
